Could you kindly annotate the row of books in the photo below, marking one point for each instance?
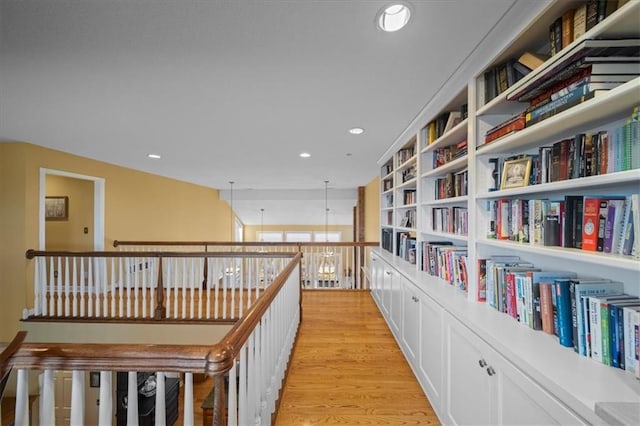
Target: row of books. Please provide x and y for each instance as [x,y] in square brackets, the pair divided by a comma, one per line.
[453,220]
[446,261]
[442,156]
[585,154]
[409,196]
[606,224]
[405,154]
[386,169]
[387,184]
[406,247]
[590,315]
[409,173]
[443,123]
[408,219]
[452,185]
[499,78]
[573,23]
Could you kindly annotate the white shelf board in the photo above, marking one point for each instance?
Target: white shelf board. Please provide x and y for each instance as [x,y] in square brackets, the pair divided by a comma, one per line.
[588,114]
[410,184]
[610,260]
[452,166]
[406,206]
[446,235]
[565,186]
[410,162]
[447,201]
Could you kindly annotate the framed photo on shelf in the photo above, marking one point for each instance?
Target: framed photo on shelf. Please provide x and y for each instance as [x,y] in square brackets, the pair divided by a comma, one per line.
[515,173]
[56,208]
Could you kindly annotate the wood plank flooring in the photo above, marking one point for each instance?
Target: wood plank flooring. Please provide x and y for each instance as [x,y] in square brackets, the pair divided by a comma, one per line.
[348,369]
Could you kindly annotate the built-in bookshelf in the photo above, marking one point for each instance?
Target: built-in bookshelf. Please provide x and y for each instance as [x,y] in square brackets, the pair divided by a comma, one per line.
[476,194]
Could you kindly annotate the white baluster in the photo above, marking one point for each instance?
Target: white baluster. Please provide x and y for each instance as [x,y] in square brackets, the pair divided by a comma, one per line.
[90,286]
[198,282]
[143,272]
[188,399]
[82,287]
[242,388]
[192,281]
[184,288]
[232,286]
[67,288]
[47,399]
[113,279]
[98,280]
[214,273]
[161,409]
[77,398]
[37,286]
[105,287]
[232,412]
[168,280]
[132,398]
[59,288]
[74,289]
[136,283]
[49,289]
[152,285]
[127,268]
[225,281]
[121,278]
[106,402]
[208,288]
[22,398]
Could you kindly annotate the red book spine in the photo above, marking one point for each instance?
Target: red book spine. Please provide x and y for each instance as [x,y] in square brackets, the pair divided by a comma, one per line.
[590,224]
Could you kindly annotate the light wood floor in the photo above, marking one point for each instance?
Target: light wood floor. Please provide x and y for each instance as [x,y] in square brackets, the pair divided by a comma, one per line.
[348,369]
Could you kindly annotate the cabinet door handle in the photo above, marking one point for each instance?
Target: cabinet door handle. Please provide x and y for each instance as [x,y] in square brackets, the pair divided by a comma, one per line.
[491,371]
[482,363]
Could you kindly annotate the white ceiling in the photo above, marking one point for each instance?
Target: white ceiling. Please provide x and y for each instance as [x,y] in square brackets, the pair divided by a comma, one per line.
[231,90]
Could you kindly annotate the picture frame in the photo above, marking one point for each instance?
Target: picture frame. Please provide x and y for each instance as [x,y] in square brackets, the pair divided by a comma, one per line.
[56,208]
[516,173]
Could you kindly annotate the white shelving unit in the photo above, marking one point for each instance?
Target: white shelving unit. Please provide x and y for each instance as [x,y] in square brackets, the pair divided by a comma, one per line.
[459,348]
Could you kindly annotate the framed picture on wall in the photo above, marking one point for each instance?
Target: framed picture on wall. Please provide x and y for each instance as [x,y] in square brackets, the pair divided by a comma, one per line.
[56,208]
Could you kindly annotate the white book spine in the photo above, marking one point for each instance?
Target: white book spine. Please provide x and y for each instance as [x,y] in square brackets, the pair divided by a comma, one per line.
[595,327]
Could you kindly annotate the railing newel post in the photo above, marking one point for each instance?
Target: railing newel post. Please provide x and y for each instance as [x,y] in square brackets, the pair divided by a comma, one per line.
[219,400]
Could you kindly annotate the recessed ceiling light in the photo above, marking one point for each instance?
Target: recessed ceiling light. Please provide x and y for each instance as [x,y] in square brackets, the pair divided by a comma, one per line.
[393,17]
[356,130]
[156,156]
[305,155]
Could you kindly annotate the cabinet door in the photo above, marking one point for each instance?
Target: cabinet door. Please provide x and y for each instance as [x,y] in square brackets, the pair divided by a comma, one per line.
[376,277]
[523,402]
[396,303]
[469,389]
[431,354]
[410,321]
[387,279]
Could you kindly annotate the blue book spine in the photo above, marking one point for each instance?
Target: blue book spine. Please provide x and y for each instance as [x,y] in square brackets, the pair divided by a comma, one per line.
[614,335]
[565,325]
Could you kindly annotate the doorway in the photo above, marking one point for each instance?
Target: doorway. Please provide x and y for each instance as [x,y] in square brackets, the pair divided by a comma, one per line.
[81,228]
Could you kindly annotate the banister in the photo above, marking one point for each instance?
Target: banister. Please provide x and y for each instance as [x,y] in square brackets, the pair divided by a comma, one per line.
[117,243]
[210,359]
[30,254]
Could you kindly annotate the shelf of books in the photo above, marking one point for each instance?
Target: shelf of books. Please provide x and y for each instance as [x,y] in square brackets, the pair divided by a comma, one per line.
[528,199]
[557,182]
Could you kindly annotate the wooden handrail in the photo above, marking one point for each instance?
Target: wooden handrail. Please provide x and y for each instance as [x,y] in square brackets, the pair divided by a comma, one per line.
[117,243]
[30,254]
[210,359]
[5,358]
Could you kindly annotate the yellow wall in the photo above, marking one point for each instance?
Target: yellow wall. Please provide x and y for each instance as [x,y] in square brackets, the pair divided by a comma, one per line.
[250,231]
[69,234]
[138,206]
[372,211]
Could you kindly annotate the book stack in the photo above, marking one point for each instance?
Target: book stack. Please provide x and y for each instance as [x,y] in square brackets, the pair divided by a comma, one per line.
[499,78]
[585,71]
[442,156]
[452,185]
[452,220]
[444,123]
[505,128]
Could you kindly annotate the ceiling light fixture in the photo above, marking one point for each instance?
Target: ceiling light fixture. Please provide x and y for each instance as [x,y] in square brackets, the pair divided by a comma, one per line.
[305,155]
[393,17]
[356,130]
[155,156]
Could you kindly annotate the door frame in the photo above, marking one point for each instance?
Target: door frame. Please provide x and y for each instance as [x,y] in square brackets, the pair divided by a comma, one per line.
[98,205]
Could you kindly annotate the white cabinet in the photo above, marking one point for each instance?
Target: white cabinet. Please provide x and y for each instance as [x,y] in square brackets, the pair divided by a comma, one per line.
[376,277]
[430,358]
[411,322]
[395,313]
[485,388]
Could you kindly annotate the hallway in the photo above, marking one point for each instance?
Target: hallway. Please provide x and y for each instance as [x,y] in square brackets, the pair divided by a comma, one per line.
[348,369]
